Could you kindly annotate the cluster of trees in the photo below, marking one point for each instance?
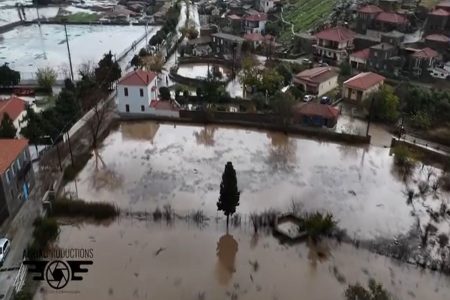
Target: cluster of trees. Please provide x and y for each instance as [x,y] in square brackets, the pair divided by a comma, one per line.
[46,77]
[7,128]
[74,100]
[8,77]
[424,108]
[169,25]
[375,291]
[257,79]
[420,108]
[149,62]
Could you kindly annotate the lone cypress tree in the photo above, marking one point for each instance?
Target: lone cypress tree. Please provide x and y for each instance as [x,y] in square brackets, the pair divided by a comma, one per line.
[229,194]
[7,129]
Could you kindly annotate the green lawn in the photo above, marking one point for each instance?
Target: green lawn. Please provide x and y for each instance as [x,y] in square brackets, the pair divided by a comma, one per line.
[305,13]
[80,17]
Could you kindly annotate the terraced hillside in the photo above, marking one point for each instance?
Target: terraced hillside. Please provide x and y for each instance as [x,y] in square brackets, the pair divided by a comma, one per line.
[305,13]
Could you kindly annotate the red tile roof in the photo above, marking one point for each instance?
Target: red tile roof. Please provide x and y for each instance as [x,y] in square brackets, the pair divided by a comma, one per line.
[13,106]
[256,17]
[316,109]
[362,54]
[444,4]
[425,53]
[370,9]
[233,17]
[316,75]
[437,38]
[137,77]
[439,12]
[336,34]
[9,150]
[253,37]
[364,81]
[389,17]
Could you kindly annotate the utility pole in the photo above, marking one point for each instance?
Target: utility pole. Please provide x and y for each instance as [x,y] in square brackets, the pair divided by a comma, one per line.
[37,13]
[146,39]
[370,115]
[68,51]
[70,147]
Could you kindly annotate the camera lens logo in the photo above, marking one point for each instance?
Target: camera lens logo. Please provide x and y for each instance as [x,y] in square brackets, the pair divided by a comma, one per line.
[57,274]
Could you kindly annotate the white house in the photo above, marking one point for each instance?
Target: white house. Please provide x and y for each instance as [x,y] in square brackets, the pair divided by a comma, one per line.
[266,5]
[255,22]
[135,91]
[361,86]
[317,81]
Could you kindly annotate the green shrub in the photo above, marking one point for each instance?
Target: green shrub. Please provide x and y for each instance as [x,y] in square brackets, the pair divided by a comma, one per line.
[79,208]
[317,225]
[45,231]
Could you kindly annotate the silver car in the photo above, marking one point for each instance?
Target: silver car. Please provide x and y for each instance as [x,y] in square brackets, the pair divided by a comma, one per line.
[4,250]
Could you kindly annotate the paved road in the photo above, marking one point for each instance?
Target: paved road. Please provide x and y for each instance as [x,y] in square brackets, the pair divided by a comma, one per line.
[19,232]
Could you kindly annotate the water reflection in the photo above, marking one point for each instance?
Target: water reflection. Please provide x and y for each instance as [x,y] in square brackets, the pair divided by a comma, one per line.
[318,252]
[105,177]
[139,130]
[227,247]
[282,151]
[205,136]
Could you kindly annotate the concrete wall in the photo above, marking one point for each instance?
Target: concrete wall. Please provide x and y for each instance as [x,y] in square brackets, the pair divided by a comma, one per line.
[327,86]
[134,99]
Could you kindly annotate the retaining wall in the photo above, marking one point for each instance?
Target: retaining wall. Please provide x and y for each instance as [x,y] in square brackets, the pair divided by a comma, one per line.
[429,155]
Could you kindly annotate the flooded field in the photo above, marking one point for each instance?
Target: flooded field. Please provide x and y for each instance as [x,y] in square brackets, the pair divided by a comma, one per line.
[145,260]
[201,70]
[145,165]
[26,48]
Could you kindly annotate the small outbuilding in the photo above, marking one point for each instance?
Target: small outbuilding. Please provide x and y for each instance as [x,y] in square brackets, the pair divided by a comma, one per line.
[315,114]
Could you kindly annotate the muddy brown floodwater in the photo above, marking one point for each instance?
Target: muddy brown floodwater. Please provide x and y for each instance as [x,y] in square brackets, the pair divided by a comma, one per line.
[145,165]
[143,260]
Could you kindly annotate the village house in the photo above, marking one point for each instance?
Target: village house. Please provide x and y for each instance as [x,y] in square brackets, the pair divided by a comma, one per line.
[438,42]
[365,17]
[16,176]
[359,87]
[358,59]
[135,91]
[266,5]
[15,108]
[383,57]
[227,44]
[423,59]
[199,47]
[437,21]
[334,44]
[394,38]
[317,81]
[315,114]
[388,21]
[254,22]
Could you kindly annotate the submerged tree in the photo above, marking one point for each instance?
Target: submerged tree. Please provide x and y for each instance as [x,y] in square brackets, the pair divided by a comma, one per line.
[7,129]
[375,292]
[229,193]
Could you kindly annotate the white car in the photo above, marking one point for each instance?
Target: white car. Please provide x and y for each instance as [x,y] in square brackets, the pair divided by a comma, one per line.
[308,98]
[4,250]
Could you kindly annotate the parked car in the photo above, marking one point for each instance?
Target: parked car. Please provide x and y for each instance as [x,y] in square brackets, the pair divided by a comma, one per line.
[4,250]
[306,61]
[308,98]
[325,100]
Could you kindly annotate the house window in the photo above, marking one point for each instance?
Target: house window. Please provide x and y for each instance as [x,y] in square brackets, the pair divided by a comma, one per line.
[18,164]
[127,108]
[125,90]
[142,108]
[141,92]
[8,176]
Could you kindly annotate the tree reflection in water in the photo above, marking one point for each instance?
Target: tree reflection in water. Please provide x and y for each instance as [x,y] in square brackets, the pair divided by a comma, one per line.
[282,151]
[227,247]
[205,136]
[104,177]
